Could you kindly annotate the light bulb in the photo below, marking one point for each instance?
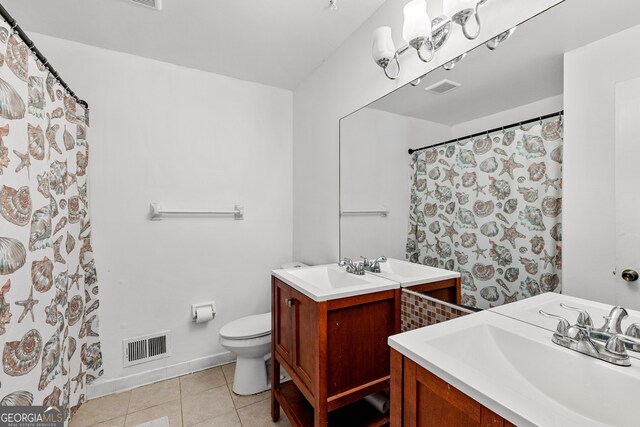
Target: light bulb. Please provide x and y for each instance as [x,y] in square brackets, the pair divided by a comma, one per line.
[383,47]
[417,23]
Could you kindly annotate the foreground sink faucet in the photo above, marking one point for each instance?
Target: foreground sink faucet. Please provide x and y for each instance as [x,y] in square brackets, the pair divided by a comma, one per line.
[577,338]
[351,267]
[373,265]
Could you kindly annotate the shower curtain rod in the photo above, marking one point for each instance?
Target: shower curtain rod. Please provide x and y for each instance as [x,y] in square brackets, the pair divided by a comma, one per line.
[486,132]
[14,26]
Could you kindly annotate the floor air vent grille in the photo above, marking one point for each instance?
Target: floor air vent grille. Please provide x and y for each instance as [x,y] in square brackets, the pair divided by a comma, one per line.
[145,349]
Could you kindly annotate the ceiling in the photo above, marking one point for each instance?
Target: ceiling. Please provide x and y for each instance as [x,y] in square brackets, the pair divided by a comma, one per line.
[274,42]
[526,68]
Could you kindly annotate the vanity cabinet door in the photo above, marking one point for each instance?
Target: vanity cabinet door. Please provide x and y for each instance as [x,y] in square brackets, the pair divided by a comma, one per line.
[283,307]
[428,401]
[305,337]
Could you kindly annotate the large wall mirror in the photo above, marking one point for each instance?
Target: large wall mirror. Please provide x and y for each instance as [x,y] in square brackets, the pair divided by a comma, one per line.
[483,194]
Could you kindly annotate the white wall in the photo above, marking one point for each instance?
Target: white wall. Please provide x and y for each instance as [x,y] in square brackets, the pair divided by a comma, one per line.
[187,139]
[375,172]
[589,231]
[346,81]
[513,115]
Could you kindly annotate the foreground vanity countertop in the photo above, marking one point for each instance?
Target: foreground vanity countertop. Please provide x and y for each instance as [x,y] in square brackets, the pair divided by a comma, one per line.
[328,282]
[409,274]
[515,370]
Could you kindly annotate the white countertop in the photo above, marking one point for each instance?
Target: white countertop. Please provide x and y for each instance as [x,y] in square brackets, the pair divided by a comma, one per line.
[411,274]
[514,369]
[328,282]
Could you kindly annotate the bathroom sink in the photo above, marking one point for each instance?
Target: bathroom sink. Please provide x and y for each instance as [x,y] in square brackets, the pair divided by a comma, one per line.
[409,273]
[515,370]
[326,282]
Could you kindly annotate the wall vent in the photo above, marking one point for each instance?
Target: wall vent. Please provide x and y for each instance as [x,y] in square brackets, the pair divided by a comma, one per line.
[443,87]
[147,348]
[153,4]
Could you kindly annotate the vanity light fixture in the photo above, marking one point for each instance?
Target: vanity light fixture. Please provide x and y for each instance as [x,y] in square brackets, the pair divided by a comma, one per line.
[460,11]
[426,36]
[384,51]
[421,33]
[416,29]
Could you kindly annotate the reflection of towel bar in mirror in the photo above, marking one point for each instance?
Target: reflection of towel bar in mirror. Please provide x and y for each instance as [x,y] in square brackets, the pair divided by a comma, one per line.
[382,212]
[157,213]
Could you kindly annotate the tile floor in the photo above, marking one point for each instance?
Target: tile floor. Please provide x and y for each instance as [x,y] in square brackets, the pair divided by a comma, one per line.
[201,399]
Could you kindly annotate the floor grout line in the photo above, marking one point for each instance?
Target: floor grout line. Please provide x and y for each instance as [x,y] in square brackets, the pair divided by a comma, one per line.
[181,409]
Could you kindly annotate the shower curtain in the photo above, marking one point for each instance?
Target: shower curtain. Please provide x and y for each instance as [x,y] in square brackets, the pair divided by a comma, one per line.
[491,209]
[48,285]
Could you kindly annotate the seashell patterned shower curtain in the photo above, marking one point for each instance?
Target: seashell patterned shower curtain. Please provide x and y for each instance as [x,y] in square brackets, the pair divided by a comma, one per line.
[48,287]
[491,209]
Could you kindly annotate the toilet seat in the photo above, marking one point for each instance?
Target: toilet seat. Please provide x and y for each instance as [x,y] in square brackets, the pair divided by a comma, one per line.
[247,327]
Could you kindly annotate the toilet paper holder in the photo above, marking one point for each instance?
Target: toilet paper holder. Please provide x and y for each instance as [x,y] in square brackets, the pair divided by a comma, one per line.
[195,307]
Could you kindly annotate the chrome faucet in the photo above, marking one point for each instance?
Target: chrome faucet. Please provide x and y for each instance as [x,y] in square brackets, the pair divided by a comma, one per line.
[613,322]
[373,265]
[612,326]
[578,338]
[351,267]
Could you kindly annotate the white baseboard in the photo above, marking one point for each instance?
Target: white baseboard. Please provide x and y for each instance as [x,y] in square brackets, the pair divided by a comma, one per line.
[101,388]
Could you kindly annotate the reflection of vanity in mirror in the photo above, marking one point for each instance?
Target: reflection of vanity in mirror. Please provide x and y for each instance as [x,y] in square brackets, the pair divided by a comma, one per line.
[482,191]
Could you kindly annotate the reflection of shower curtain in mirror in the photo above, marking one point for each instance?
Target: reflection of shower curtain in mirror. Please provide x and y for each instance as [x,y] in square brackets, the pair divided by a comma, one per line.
[491,208]
[48,287]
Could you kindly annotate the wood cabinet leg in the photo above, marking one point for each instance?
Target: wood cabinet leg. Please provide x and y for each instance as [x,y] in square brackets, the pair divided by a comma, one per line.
[320,418]
[396,388]
[275,384]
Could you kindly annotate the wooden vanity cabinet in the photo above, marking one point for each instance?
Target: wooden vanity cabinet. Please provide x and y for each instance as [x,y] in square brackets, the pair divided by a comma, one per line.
[445,290]
[421,399]
[336,353]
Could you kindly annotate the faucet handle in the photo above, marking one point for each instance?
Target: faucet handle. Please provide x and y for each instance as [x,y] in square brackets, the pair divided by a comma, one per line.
[366,261]
[563,324]
[381,259]
[584,319]
[633,330]
[345,262]
[615,344]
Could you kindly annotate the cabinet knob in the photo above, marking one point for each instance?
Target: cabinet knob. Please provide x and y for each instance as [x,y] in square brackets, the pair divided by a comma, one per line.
[289,302]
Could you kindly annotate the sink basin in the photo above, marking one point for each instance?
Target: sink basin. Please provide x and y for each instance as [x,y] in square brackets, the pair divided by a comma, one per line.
[326,282]
[515,370]
[409,273]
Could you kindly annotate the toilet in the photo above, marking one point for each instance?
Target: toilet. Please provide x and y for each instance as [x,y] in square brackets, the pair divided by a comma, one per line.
[249,338]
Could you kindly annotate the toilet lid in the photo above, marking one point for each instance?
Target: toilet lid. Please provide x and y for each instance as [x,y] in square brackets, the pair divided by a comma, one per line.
[248,327]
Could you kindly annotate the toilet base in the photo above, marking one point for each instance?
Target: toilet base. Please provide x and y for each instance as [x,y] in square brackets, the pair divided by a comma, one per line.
[250,376]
